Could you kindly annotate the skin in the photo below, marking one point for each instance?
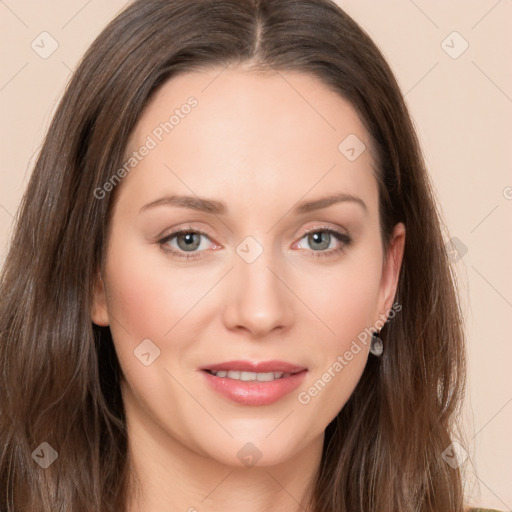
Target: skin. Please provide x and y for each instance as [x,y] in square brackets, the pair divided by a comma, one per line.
[261,143]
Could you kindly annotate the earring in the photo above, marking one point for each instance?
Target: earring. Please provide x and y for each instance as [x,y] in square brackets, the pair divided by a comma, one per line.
[376,346]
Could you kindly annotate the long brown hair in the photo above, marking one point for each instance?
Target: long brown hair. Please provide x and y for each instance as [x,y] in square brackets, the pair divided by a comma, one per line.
[59,372]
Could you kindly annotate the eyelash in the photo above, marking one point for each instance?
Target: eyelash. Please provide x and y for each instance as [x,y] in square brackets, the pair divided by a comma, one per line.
[344,238]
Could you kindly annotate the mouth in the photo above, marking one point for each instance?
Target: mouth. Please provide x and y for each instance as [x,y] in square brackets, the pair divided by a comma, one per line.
[254,383]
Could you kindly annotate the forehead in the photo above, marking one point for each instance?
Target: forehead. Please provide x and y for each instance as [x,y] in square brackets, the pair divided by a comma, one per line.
[268,134]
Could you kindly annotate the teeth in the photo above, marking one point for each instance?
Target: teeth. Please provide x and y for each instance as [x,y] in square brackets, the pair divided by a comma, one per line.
[248,376]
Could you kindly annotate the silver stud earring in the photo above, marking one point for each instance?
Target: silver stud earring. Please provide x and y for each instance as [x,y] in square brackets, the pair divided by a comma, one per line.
[376,346]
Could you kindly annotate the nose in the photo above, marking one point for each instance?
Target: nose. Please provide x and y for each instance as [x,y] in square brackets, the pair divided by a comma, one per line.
[259,300]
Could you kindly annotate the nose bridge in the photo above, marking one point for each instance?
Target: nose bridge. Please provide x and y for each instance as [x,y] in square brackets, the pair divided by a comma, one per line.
[259,300]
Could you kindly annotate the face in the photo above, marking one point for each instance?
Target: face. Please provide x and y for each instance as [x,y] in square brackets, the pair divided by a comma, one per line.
[261,272]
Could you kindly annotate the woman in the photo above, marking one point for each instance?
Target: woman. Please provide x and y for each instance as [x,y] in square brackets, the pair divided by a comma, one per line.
[227,286]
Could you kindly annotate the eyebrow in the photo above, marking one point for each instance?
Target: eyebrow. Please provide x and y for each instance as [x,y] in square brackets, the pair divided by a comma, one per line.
[219,208]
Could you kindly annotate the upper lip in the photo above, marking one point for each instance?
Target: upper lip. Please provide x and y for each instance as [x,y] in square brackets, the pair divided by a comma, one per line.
[255,366]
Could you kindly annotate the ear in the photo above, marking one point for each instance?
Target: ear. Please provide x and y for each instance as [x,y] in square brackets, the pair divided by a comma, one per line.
[99,310]
[391,269]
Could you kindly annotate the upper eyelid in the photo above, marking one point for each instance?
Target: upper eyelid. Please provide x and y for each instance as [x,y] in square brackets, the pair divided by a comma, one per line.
[314,229]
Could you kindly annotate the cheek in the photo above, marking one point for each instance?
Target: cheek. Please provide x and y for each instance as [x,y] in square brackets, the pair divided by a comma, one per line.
[147,297]
[346,298]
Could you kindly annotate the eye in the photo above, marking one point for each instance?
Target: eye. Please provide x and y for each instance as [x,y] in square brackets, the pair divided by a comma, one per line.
[187,241]
[320,239]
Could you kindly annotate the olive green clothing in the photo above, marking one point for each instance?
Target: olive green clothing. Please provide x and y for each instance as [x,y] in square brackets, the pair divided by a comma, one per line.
[484,510]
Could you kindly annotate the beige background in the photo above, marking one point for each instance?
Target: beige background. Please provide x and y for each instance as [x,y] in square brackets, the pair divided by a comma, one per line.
[462,110]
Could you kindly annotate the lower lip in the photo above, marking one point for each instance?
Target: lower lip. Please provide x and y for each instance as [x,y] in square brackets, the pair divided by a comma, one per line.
[255,392]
